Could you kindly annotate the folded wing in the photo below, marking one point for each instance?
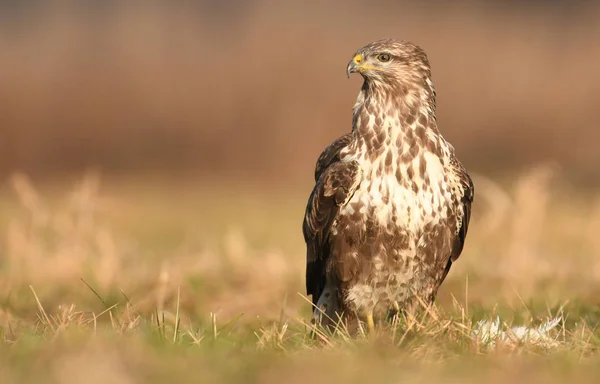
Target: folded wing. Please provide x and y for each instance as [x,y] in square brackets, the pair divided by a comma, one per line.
[336,182]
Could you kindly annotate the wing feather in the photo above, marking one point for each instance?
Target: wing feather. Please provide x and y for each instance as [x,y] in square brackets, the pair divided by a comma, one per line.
[331,154]
[465,205]
[335,185]
[466,201]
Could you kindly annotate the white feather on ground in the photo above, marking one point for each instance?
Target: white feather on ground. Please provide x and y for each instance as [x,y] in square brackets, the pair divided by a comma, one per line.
[489,332]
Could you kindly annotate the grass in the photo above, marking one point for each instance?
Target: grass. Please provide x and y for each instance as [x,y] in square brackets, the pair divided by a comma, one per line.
[143,281]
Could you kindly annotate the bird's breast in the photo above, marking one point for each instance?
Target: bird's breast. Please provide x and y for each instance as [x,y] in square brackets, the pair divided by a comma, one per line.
[398,194]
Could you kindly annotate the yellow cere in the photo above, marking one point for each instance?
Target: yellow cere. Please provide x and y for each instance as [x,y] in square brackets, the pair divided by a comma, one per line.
[358,59]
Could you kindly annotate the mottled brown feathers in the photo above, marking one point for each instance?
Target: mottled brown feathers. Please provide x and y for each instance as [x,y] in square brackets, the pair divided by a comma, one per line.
[391,205]
[331,154]
[335,185]
[466,201]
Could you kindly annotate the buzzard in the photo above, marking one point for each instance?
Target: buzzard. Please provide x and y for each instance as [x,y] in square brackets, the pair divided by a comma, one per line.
[390,208]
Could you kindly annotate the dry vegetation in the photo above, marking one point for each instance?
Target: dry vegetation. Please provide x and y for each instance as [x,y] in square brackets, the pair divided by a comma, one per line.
[143,280]
[131,276]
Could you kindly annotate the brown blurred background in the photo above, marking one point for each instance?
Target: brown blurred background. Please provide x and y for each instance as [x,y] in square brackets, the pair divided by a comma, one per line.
[258,88]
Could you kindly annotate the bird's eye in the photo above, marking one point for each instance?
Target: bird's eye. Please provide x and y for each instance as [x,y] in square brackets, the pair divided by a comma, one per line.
[383,57]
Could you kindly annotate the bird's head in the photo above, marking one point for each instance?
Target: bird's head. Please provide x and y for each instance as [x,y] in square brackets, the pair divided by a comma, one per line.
[390,61]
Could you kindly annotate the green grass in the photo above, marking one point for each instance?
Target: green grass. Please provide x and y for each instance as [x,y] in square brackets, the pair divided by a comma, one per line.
[152,282]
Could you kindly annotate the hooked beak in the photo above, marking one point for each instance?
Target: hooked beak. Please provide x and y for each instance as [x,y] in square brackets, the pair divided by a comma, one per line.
[354,65]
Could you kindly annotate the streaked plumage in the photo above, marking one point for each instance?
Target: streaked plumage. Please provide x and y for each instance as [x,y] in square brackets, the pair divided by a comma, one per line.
[390,209]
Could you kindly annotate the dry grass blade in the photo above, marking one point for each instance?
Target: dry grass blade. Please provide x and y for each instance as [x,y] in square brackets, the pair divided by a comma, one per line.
[177,320]
[46,318]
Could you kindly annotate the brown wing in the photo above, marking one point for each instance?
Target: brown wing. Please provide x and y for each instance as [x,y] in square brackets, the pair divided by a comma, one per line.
[466,201]
[331,154]
[335,186]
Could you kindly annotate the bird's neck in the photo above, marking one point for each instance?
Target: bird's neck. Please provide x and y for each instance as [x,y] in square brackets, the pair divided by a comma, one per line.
[394,116]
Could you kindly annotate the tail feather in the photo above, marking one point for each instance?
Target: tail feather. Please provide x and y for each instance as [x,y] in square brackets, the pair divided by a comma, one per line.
[327,307]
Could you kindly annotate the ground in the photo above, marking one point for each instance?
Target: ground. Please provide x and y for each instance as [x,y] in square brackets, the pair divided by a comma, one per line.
[143,280]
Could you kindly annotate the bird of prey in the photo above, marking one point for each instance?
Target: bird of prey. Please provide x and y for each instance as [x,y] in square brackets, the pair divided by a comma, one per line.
[390,208]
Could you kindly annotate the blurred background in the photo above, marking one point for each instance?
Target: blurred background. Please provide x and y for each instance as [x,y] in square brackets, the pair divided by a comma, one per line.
[156,158]
[256,89]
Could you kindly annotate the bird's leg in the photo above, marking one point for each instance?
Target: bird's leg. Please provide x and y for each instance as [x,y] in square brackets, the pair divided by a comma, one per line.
[396,316]
[370,323]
